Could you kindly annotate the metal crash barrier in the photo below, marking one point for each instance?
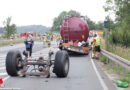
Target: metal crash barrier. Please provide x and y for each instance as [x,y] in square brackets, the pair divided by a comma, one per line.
[116,62]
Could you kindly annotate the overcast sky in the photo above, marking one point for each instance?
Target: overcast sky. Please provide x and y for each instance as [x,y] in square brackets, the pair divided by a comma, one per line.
[28,12]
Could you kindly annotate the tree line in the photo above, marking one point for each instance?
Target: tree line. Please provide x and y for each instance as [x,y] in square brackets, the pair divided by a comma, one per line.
[58,21]
[120,27]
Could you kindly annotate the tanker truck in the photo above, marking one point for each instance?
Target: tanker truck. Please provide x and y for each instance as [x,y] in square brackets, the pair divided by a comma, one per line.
[74,33]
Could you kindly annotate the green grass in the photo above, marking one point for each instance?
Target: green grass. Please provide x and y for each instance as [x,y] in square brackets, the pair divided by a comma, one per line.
[16,41]
[120,51]
[102,43]
[125,79]
[103,59]
[7,42]
[117,49]
[112,70]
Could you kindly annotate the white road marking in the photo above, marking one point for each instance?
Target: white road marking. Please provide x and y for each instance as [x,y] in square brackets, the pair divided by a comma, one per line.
[3,74]
[98,75]
[2,68]
[2,61]
[6,78]
[2,64]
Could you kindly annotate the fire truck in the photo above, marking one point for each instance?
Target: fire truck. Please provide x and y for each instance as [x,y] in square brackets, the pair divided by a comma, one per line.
[26,34]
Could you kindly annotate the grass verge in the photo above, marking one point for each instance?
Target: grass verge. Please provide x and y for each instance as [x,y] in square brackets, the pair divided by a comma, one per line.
[117,49]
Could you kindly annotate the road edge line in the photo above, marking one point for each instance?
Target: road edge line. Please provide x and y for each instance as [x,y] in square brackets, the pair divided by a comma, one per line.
[4,79]
[98,75]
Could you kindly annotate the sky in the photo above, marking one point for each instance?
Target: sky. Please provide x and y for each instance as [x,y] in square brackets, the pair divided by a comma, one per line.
[43,12]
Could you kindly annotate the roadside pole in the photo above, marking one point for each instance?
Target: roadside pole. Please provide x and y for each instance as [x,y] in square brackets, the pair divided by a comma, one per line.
[106,25]
[106,39]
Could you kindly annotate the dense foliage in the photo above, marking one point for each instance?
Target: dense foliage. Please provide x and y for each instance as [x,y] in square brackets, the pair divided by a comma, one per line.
[120,28]
[59,20]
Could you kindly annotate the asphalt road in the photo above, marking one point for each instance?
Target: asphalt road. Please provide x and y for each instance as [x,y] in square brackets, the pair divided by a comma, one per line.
[84,74]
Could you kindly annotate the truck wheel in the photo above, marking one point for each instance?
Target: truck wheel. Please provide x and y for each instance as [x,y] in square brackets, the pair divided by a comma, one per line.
[13,63]
[61,65]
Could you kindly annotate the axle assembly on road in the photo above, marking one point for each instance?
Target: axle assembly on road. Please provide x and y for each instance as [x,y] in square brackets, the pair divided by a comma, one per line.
[16,66]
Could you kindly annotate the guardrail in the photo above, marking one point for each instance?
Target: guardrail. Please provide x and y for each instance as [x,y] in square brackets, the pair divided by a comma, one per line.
[119,61]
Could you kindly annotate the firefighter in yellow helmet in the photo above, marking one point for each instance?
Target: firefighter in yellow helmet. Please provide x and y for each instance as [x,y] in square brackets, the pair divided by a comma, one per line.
[44,40]
[93,46]
[97,46]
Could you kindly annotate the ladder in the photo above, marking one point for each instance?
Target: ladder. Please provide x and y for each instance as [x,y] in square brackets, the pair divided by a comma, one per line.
[66,30]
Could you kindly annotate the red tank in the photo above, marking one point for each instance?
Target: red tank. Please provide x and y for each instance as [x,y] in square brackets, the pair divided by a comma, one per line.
[74,28]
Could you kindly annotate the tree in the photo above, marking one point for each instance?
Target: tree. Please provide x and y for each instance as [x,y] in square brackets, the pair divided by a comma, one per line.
[94,26]
[59,20]
[10,29]
[120,32]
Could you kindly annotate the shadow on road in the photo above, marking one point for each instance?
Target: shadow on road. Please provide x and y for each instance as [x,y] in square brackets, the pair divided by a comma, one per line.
[72,54]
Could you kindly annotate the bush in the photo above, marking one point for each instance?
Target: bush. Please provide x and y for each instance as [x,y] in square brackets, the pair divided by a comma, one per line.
[125,79]
[103,59]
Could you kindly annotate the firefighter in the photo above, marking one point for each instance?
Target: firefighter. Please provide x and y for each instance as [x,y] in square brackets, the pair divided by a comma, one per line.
[93,46]
[44,40]
[49,40]
[97,47]
[93,51]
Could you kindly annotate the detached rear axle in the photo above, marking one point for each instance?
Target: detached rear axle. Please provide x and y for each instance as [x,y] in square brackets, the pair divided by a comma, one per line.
[16,66]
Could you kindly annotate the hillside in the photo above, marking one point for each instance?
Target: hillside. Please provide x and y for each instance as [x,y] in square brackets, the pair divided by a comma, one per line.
[30,28]
[33,28]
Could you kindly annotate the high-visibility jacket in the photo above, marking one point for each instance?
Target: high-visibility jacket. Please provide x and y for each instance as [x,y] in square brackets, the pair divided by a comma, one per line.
[44,39]
[98,41]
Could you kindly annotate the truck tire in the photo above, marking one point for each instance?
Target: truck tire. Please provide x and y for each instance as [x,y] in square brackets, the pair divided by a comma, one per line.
[13,58]
[61,65]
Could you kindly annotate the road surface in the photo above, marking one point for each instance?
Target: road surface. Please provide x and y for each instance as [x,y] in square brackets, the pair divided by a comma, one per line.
[84,74]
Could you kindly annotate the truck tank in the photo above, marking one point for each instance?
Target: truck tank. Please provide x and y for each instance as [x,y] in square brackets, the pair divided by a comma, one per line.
[74,28]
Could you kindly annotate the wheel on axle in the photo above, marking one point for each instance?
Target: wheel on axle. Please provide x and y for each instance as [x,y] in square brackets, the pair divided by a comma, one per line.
[61,65]
[13,62]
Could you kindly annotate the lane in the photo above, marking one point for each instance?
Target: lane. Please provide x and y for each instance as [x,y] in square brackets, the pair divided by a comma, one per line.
[82,76]
[38,46]
[3,73]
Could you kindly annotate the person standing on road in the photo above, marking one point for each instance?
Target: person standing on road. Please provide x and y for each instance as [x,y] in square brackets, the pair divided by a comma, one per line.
[49,40]
[93,46]
[97,46]
[44,40]
[29,45]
